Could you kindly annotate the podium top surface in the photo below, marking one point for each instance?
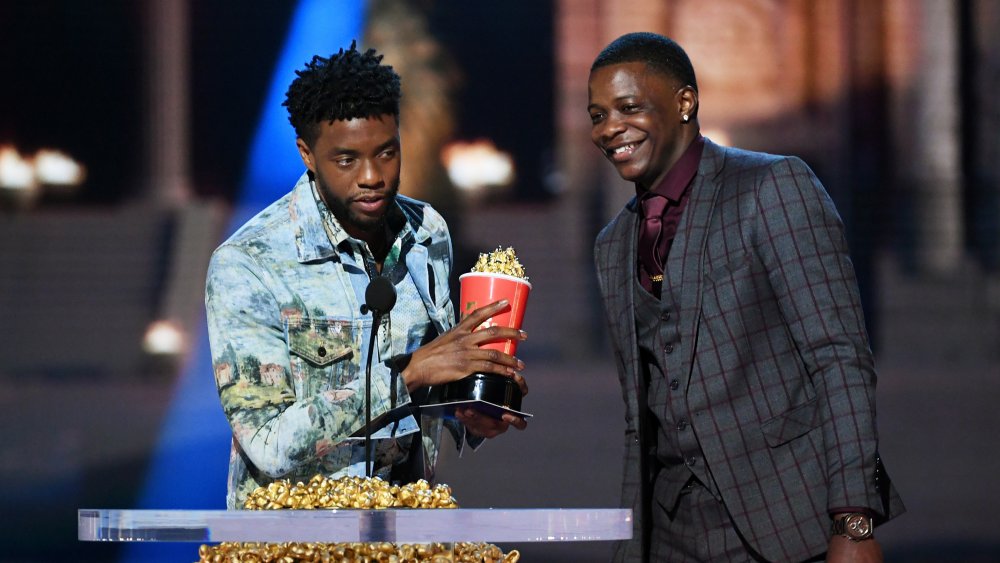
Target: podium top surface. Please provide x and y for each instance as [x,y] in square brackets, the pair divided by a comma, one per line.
[331,526]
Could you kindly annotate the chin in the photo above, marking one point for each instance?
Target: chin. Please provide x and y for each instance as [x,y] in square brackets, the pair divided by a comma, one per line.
[630,173]
[368,224]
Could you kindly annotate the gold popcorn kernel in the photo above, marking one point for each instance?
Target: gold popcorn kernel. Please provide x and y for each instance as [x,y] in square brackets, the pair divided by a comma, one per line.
[500,261]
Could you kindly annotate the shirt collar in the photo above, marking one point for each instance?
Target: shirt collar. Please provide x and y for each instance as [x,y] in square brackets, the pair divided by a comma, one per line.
[677,179]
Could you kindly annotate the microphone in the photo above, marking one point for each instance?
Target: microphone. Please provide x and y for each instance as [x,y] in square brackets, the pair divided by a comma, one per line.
[380,297]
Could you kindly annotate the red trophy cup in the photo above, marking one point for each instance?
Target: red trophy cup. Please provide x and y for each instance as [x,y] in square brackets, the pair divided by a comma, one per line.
[489,392]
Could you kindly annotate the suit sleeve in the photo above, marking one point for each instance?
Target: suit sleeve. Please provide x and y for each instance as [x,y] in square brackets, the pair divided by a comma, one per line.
[800,239]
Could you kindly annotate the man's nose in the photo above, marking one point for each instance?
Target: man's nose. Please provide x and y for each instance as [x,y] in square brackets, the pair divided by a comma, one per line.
[609,128]
[370,175]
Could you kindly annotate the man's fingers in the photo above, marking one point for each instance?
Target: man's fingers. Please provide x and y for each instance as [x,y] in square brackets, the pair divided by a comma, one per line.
[487,426]
[521,382]
[493,361]
[476,317]
[515,421]
[497,333]
[486,366]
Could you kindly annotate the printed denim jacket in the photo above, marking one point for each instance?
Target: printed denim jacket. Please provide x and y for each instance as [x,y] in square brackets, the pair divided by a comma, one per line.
[289,341]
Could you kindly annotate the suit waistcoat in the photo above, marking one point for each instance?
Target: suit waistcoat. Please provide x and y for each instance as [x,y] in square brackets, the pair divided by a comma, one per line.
[676,448]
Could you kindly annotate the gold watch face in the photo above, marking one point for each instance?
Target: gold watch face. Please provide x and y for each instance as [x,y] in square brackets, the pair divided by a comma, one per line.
[858,526]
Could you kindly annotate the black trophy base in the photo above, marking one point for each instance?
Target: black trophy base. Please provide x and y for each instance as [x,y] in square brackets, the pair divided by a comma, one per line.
[496,389]
[488,393]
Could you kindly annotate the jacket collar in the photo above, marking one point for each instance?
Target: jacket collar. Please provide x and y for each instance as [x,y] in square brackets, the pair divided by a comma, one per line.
[318,234]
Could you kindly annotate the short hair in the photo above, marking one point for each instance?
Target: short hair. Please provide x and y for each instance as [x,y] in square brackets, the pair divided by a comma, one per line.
[658,52]
[347,85]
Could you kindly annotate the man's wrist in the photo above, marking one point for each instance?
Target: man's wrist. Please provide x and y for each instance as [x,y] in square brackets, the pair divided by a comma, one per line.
[401,365]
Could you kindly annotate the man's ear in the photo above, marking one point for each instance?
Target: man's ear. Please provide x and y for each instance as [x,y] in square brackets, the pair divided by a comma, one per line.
[306,153]
[687,101]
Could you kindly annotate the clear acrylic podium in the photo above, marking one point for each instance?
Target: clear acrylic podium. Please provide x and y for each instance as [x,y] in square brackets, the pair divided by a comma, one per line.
[411,526]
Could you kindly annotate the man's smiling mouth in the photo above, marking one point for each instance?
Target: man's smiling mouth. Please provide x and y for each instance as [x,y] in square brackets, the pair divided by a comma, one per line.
[622,152]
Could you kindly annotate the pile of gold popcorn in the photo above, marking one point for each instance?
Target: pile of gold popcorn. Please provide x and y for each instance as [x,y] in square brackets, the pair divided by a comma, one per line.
[351,492]
[354,553]
[500,261]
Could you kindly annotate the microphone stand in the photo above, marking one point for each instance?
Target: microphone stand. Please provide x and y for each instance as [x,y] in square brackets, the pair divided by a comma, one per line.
[380,297]
[376,319]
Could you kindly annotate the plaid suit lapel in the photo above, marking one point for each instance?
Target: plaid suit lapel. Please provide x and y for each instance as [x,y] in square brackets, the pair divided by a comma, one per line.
[620,264]
[685,263]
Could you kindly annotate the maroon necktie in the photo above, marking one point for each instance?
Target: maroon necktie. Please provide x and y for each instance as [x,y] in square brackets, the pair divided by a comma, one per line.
[649,237]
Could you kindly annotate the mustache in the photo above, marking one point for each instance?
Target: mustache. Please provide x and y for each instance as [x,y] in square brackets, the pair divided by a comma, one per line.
[376,195]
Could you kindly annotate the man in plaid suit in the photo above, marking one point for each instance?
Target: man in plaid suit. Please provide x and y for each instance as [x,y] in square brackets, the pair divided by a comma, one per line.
[738,335]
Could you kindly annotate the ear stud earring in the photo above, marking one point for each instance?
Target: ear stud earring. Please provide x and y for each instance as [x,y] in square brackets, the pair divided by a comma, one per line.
[685,118]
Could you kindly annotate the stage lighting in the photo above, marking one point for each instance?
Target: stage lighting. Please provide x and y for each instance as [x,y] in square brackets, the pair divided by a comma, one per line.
[478,164]
[164,338]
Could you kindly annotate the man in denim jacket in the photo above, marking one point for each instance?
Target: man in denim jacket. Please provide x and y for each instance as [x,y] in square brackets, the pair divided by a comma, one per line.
[284,297]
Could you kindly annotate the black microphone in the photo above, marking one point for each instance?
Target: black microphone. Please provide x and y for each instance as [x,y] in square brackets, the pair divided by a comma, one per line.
[380,297]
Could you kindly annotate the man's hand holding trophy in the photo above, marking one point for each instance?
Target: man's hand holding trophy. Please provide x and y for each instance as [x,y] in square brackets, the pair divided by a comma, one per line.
[496,276]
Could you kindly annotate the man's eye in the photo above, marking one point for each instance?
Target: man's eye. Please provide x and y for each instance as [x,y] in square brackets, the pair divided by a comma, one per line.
[630,108]
[344,162]
[389,153]
[596,117]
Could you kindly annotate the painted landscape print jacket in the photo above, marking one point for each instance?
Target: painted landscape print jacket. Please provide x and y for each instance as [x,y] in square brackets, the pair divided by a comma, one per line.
[289,341]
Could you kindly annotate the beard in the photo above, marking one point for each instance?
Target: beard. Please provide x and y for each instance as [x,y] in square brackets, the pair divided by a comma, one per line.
[350,220]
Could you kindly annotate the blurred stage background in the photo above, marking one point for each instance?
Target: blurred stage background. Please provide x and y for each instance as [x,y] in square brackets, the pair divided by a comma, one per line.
[170,107]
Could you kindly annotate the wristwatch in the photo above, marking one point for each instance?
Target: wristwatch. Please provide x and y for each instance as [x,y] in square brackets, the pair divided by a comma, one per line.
[854,526]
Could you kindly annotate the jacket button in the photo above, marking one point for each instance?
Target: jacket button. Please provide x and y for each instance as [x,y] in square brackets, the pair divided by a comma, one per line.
[691,461]
[665,316]
[668,348]
[321,352]
[682,425]
[675,384]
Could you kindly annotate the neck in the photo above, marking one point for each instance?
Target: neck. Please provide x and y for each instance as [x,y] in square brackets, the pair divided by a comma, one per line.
[378,241]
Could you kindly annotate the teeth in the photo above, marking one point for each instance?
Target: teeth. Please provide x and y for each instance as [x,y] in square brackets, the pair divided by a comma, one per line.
[624,148]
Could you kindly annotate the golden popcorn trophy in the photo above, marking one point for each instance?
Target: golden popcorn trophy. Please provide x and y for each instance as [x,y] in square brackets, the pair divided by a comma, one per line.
[495,276]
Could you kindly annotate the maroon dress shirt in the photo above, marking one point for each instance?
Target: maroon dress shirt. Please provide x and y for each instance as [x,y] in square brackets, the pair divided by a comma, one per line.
[675,187]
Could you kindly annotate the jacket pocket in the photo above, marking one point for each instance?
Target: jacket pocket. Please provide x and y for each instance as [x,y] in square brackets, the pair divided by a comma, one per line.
[729,269]
[323,353]
[795,422]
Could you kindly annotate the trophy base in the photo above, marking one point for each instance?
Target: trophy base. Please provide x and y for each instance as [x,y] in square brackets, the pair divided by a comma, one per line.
[491,388]
[486,392]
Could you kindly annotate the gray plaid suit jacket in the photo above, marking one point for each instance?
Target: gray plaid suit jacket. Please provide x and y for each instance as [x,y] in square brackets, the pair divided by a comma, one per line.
[774,362]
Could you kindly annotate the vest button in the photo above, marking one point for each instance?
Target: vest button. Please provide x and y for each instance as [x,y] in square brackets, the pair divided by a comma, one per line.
[668,348]
[665,316]
[682,425]
[675,384]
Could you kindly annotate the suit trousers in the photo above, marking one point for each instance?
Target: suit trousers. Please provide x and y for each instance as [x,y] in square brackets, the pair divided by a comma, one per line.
[698,529]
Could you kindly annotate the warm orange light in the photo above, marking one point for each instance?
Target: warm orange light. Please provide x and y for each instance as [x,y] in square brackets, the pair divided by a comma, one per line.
[56,168]
[164,338]
[477,164]
[48,167]
[16,172]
